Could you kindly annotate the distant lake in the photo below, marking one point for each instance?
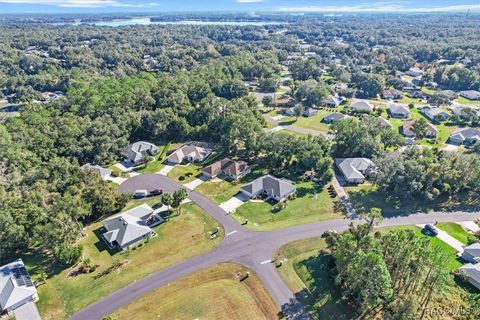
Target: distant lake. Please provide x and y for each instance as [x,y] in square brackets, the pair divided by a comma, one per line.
[146,21]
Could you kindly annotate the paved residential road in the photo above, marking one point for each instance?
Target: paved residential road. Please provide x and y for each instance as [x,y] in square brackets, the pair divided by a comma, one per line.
[250,248]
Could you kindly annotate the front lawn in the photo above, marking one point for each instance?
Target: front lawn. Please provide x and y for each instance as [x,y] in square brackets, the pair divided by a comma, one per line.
[158,162]
[177,239]
[306,208]
[185,173]
[466,101]
[212,293]
[456,231]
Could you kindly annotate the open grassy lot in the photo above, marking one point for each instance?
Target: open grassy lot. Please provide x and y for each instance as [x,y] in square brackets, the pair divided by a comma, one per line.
[212,293]
[367,196]
[456,231]
[312,204]
[185,173]
[314,123]
[304,271]
[219,190]
[178,239]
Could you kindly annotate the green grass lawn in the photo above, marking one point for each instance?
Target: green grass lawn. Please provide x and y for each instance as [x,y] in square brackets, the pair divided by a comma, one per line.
[466,101]
[178,239]
[211,293]
[304,271]
[219,190]
[367,196]
[456,231]
[157,164]
[305,208]
[179,173]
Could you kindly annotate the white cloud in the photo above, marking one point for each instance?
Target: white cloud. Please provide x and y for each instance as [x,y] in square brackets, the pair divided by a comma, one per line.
[81,3]
[394,6]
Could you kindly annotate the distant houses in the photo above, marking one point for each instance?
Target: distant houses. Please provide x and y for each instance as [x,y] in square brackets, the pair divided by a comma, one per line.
[137,152]
[398,111]
[270,187]
[407,129]
[355,170]
[470,94]
[332,102]
[414,72]
[128,228]
[189,153]
[434,113]
[466,136]
[392,94]
[227,168]
[17,289]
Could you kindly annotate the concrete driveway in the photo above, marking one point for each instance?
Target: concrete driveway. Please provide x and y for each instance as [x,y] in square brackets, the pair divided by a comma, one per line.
[195,183]
[448,239]
[117,180]
[235,202]
[469,226]
[165,170]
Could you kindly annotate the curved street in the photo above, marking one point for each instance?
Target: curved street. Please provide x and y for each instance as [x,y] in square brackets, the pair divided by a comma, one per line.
[240,245]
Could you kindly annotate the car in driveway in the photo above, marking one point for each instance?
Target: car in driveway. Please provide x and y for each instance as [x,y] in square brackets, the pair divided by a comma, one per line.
[430,229]
[140,193]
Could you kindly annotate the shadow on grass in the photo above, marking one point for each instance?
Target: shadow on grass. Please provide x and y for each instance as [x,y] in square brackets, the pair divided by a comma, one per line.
[322,298]
[101,245]
[287,122]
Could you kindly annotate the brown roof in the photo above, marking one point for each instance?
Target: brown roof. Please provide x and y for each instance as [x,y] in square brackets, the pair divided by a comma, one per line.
[232,168]
[407,126]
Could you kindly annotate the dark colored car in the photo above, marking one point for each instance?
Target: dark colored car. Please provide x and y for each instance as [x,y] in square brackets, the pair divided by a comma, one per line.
[156,192]
[430,229]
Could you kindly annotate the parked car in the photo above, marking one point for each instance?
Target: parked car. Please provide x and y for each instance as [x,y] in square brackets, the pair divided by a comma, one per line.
[430,230]
[156,192]
[140,193]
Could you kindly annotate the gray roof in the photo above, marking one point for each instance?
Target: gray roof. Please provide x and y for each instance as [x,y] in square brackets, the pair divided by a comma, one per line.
[398,109]
[278,187]
[15,284]
[473,249]
[335,117]
[136,150]
[472,271]
[128,226]
[353,168]
[466,134]
[102,172]
[332,100]
[361,105]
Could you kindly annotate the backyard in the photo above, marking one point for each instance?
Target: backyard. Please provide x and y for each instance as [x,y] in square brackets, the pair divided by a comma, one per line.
[212,293]
[177,239]
[312,204]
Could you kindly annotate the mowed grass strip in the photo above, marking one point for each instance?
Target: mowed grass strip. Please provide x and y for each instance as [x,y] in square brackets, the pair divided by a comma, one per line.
[306,208]
[456,231]
[178,239]
[212,293]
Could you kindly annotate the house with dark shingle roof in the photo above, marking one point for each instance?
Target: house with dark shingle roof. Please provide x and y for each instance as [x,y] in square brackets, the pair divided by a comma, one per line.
[354,170]
[227,168]
[270,186]
[137,152]
[466,136]
[130,227]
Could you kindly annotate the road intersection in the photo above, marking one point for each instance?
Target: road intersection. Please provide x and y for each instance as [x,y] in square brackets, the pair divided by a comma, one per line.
[240,245]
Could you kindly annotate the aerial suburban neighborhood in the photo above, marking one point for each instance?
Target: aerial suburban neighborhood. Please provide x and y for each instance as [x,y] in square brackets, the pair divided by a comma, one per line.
[239,160]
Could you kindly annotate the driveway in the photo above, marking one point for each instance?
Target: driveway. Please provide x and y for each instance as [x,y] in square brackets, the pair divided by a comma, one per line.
[195,183]
[28,311]
[235,202]
[448,239]
[165,170]
[469,226]
[117,180]
[351,212]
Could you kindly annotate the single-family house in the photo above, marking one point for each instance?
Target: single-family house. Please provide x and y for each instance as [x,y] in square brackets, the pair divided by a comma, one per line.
[418,94]
[290,112]
[361,106]
[355,170]
[130,227]
[384,122]
[471,253]
[466,136]
[137,152]
[340,86]
[407,131]
[269,186]
[392,94]
[104,173]
[51,96]
[332,102]
[472,272]
[334,117]
[227,168]
[431,85]
[470,94]
[285,101]
[189,153]
[449,94]
[16,287]
[310,112]
[434,114]
[414,72]
[398,111]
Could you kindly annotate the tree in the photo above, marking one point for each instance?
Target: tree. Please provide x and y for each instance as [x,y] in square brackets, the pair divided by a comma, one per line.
[420,127]
[267,101]
[178,197]
[299,110]
[167,199]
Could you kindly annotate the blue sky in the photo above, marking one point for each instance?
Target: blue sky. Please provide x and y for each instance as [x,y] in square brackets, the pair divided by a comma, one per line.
[102,6]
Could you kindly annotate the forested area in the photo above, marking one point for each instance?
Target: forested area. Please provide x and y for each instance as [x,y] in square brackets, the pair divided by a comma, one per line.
[176,83]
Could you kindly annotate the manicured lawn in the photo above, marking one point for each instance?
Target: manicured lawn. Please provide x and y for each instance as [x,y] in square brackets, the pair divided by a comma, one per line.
[305,208]
[212,293]
[157,164]
[180,172]
[178,239]
[305,272]
[463,100]
[314,123]
[456,231]
[367,196]
[219,190]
